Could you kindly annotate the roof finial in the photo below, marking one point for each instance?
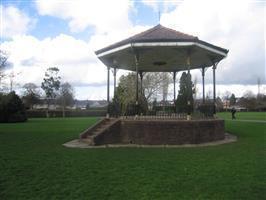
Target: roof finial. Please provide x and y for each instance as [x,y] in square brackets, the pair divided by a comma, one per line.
[159,15]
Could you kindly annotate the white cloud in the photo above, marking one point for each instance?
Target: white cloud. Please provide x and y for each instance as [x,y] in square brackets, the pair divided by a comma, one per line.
[103,15]
[237,26]
[78,65]
[240,30]
[74,58]
[100,40]
[14,22]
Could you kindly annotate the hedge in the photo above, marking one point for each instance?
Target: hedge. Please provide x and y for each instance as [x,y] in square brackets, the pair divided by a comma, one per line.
[68,113]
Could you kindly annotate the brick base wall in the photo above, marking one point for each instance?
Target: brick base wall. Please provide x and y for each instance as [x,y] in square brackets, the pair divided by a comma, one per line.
[154,132]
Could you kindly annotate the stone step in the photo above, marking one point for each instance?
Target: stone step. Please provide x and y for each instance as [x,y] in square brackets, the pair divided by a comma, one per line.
[105,124]
[100,128]
[88,140]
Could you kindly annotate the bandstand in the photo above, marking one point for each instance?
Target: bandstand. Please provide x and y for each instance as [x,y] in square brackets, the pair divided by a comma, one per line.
[158,49]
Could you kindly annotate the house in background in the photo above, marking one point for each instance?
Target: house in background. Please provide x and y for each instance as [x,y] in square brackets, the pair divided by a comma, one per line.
[84,104]
[78,104]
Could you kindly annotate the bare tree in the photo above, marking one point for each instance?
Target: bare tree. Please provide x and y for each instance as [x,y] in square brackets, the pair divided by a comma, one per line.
[31,94]
[226,95]
[66,96]
[156,83]
[248,94]
[208,95]
[248,100]
[12,75]
[195,82]
[3,60]
[165,85]
[4,64]
[153,84]
[259,84]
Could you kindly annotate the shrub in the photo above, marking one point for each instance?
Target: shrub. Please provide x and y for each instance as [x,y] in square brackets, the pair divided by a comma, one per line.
[68,113]
[11,108]
[206,109]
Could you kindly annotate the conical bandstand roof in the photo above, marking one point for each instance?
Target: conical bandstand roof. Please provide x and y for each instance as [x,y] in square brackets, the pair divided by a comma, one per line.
[161,49]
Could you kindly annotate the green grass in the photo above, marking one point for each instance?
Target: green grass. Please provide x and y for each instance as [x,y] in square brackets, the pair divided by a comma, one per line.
[244,115]
[35,165]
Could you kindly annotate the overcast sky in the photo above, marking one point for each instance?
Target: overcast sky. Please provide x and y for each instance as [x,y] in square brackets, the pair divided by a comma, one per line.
[65,34]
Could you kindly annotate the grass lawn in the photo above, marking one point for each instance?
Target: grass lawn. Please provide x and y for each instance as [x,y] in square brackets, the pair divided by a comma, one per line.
[244,115]
[35,165]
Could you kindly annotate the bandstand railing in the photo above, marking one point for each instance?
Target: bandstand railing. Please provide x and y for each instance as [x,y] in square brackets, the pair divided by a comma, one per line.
[169,112]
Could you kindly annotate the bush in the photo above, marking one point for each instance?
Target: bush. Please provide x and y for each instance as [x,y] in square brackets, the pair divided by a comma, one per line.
[68,113]
[11,108]
[167,108]
[117,107]
[206,109]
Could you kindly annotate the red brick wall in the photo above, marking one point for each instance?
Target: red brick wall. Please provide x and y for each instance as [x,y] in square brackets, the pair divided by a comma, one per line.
[162,132]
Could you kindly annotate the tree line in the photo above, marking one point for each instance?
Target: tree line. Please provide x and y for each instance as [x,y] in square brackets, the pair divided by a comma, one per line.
[154,85]
[56,92]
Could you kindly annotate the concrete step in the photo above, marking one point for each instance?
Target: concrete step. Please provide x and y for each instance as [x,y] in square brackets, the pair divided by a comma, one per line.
[102,126]
[88,140]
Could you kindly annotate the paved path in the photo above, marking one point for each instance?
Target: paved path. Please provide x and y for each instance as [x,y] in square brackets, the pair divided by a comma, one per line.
[79,144]
[247,120]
